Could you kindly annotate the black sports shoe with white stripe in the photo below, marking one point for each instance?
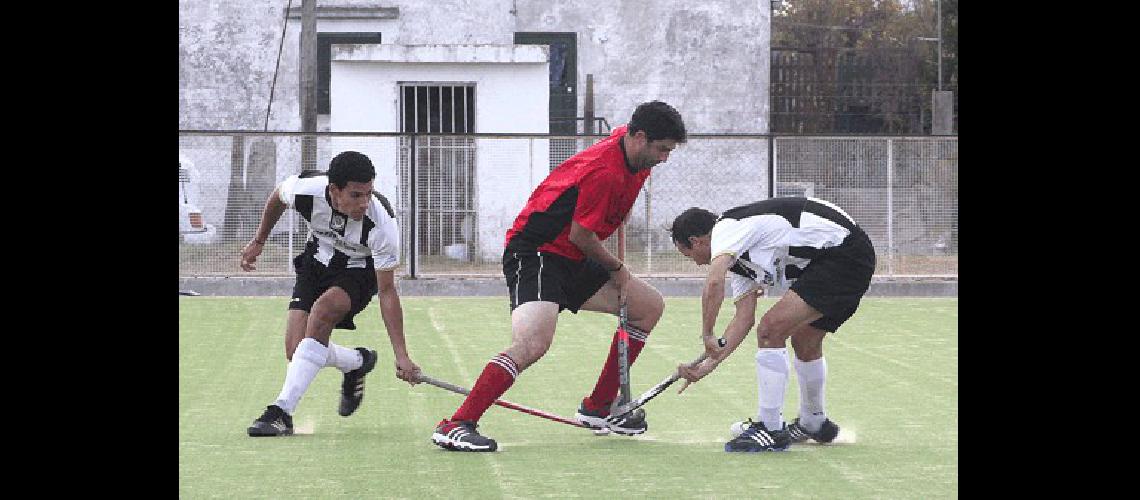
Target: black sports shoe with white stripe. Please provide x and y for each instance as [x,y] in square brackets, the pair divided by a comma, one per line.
[630,424]
[461,436]
[274,422]
[352,389]
[826,433]
[758,438]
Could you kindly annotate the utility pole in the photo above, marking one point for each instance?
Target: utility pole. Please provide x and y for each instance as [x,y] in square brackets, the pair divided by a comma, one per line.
[588,105]
[939,4]
[308,84]
[942,102]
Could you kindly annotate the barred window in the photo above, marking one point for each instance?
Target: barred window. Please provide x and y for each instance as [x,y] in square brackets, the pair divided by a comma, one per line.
[445,167]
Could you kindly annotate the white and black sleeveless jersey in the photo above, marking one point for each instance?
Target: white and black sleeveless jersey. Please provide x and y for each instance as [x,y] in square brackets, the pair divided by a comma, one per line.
[335,239]
[773,240]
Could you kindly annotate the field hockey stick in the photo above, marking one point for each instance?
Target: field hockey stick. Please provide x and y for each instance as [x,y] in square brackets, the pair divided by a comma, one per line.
[505,404]
[623,358]
[625,409]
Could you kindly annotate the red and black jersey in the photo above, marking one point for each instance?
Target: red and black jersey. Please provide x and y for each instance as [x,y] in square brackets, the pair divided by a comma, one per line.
[595,188]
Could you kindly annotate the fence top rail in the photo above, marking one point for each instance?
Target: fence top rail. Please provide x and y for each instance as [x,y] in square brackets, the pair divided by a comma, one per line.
[547,135]
[868,136]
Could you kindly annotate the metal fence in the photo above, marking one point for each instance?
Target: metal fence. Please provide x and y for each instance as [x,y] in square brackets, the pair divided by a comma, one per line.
[468,188]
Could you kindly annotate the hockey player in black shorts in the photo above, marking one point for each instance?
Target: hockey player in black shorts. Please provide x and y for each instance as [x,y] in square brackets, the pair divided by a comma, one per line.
[814,246]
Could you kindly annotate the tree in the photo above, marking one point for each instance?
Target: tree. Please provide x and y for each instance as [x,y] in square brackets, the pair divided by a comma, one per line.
[857,65]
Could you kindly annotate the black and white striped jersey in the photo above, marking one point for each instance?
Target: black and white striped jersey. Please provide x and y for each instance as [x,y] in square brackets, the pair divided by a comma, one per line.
[773,240]
[335,239]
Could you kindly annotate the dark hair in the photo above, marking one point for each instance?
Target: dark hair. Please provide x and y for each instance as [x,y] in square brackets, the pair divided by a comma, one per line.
[692,222]
[659,121]
[350,166]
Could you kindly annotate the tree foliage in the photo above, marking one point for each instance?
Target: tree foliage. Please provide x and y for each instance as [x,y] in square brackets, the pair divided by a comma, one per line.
[875,60]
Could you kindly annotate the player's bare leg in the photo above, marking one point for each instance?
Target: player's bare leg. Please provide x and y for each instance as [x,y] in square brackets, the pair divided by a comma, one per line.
[295,325]
[645,305]
[532,332]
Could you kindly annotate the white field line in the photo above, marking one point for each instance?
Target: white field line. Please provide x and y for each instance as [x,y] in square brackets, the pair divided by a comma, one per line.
[467,379]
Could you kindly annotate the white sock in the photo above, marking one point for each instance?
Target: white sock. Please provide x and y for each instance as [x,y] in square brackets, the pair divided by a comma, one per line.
[343,358]
[812,375]
[308,359]
[772,378]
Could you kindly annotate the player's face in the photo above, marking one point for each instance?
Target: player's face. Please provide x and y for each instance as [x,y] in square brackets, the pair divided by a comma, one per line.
[353,199]
[652,152]
[699,251]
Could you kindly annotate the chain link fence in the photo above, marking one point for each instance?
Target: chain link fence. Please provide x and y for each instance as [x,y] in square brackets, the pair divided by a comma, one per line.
[469,188]
[902,190]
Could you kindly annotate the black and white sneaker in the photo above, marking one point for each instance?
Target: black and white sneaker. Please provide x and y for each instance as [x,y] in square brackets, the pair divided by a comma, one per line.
[352,389]
[274,422]
[630,424]
[594,419]
[758,438]
[461,436]
[826,433]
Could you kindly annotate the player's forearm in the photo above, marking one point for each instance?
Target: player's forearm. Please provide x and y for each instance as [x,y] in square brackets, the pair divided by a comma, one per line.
[393,315]
[735,333]
[274,208]
[592,247]
[711,299]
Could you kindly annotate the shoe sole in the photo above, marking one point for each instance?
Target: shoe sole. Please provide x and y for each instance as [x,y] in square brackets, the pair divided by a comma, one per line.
[758,450]
[255,432]
[628,432]
[591,422]
[449,444]
[753,450]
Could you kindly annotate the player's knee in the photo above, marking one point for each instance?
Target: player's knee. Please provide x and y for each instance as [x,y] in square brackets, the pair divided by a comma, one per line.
[769,333]
[774,326]
[656,305]
[330,311]
[649,311]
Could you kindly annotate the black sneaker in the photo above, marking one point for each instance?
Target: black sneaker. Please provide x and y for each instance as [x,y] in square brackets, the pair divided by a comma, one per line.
[461,436]
[826,433]
[274,422]
[630,424]
[352,389]
[758,438]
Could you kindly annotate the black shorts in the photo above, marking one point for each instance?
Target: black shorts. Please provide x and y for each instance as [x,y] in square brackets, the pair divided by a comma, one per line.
[313,279]
[551,277]
[834,281]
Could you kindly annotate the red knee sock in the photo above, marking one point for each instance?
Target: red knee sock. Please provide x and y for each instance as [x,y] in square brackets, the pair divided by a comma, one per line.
[608,383]
[497,377]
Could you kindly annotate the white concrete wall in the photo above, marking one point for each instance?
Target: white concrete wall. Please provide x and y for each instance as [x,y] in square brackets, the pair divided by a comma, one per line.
[709,59]
[511,96]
